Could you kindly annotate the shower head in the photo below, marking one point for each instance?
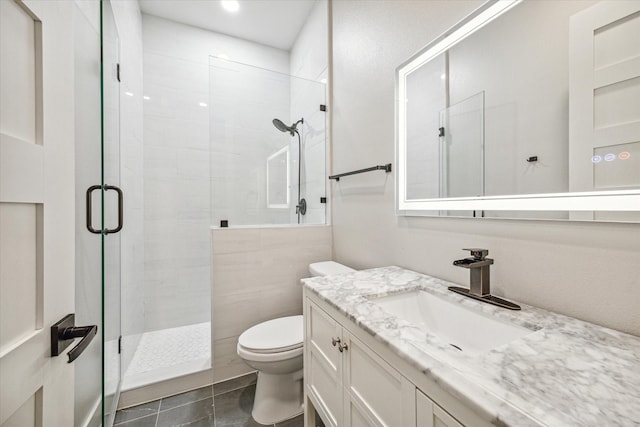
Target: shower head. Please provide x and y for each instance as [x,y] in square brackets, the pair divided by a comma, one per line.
[281,126]
[284,128]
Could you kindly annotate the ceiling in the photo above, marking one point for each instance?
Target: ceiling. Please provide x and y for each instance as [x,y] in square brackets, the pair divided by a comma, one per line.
[273,23]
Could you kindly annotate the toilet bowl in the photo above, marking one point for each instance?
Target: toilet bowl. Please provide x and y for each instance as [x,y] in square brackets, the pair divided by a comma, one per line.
[274,349]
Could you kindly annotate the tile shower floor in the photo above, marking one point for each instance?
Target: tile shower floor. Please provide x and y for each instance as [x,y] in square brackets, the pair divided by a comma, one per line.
[168,353]
[226,404]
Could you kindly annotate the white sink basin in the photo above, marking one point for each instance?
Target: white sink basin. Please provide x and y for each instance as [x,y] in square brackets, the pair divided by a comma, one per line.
[466,330]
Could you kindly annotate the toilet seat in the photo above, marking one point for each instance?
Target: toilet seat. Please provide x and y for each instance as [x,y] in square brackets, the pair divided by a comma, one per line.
[268,357]
[273,336]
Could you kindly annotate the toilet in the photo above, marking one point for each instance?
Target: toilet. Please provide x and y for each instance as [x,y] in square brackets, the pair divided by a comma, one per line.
[274,349]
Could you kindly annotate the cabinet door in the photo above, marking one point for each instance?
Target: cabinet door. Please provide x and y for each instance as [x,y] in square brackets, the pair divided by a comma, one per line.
[375,393]
[323,365]
[431,415]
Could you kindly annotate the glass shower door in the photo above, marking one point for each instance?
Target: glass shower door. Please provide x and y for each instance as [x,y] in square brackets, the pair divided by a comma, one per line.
[112,210]
[462,162]
[462,154]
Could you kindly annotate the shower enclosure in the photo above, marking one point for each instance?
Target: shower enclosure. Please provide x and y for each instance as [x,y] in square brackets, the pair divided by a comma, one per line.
[193,141]
[263,171]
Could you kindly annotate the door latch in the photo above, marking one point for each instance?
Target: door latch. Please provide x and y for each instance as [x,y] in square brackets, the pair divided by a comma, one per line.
[64,332]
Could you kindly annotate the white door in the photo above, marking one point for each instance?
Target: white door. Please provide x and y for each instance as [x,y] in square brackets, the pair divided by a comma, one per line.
[36,210]
[604,101]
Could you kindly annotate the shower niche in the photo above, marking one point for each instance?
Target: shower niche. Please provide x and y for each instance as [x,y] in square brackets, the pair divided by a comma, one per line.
[278,179]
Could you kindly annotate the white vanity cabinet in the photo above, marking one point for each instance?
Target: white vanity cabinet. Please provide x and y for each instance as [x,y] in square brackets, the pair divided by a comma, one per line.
[347,383]
[366,384]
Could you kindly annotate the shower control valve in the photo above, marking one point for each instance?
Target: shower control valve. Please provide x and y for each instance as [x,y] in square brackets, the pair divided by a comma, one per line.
[301,207]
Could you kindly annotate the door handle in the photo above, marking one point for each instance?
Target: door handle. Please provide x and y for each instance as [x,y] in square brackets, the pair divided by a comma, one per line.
[64,332]
[120,209]
[89,209]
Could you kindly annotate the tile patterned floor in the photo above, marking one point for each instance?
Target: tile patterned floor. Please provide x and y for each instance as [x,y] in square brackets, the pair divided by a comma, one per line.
[226,404]
[172,346]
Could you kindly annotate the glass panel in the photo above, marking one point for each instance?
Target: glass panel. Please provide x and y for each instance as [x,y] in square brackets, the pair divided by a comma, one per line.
[426,89]
[255,113]
[110,242]
[463,156]
[171,337]
[88,266]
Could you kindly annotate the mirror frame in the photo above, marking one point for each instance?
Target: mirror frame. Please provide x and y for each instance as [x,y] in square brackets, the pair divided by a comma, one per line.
[616,200]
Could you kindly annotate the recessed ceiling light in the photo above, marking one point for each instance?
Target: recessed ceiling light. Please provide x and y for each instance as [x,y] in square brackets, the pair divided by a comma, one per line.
[230,5]
[202,104]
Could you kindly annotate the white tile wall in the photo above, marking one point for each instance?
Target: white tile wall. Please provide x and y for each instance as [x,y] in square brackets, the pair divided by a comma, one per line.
[129,21]
[256,276]
[176,163]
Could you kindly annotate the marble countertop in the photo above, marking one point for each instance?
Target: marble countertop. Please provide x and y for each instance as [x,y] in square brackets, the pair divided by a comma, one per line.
[565,373]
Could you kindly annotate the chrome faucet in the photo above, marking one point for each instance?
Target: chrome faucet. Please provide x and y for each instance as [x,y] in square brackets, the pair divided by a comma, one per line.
[480,283]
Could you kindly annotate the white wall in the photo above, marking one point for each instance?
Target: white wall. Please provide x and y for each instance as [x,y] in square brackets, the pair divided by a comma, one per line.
[586,270]
[176,164]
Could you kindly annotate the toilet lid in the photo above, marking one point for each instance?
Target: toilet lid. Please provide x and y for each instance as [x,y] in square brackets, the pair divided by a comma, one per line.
[328,268]
[273,336]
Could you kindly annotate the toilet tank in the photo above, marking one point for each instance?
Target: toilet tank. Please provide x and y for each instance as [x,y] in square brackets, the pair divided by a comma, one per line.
[326,268]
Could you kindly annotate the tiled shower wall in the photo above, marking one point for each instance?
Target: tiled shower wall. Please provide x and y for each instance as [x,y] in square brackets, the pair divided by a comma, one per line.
[256,276]
[176,165]
[129,20]
[243,102]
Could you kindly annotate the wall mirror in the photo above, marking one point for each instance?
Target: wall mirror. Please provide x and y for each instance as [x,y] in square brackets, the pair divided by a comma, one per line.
[524,109]
[278,179]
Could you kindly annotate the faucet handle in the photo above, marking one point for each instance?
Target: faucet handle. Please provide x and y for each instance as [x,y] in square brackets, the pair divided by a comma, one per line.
[478,253]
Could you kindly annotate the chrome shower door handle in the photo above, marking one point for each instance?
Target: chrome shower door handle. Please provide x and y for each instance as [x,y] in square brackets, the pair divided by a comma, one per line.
[120,209]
